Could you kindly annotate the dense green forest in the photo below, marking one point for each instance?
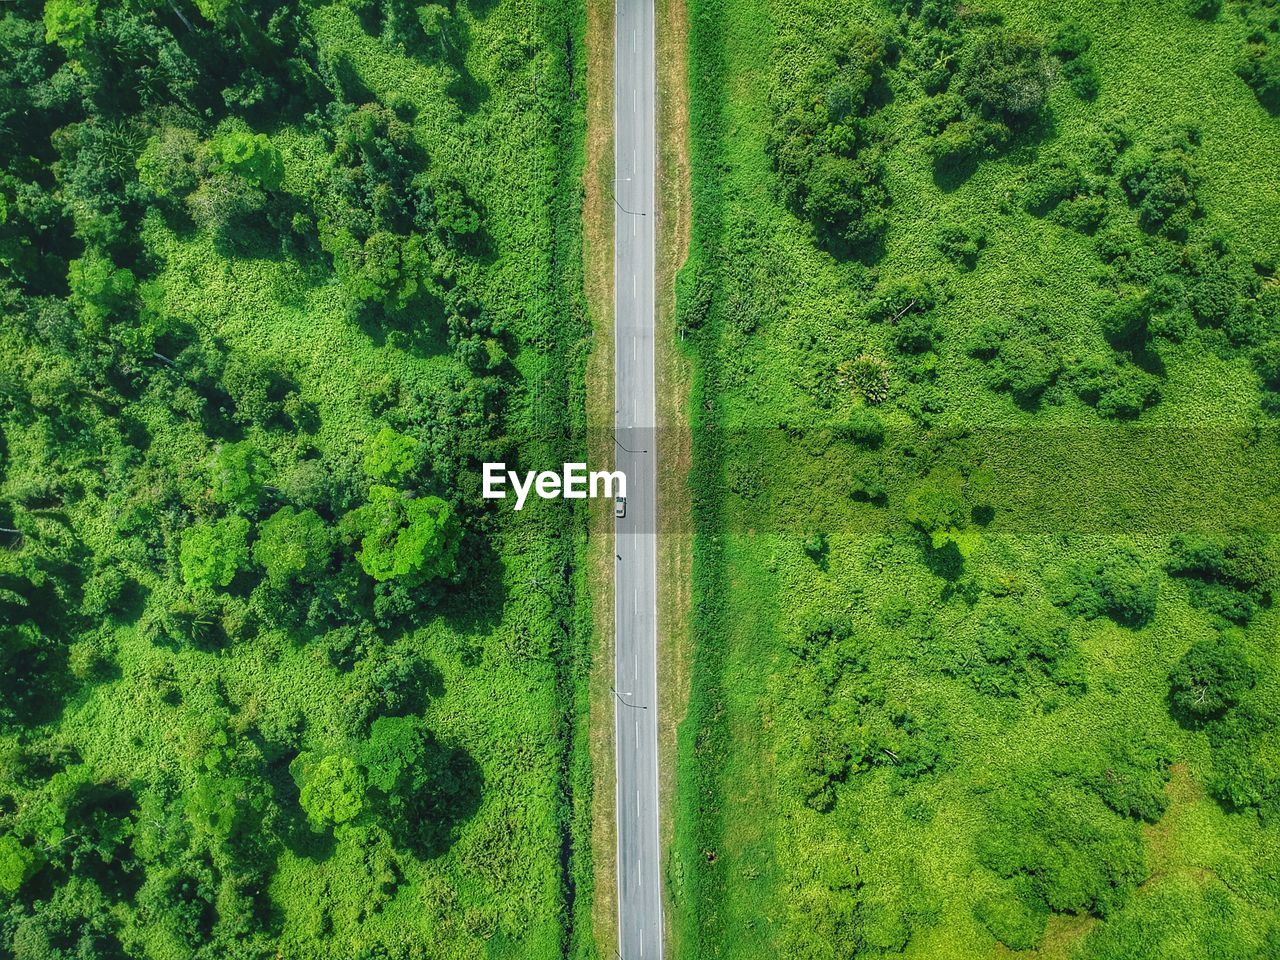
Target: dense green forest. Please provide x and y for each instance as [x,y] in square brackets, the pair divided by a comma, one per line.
[275,278]
[985,323]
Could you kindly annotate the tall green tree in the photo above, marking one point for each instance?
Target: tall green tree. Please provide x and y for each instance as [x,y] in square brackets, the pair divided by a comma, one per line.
[236,473]
[68,23]
[393,756]
[410,540]
[332,788]
[17,863]
[390,456]
[292,545]
[212,553]
[251,156]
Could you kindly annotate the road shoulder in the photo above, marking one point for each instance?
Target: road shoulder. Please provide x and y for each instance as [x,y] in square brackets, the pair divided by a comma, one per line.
[597,213]
[675,576]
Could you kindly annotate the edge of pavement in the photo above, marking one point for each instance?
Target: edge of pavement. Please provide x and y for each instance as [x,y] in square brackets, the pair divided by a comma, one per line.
[673,381]
[598,282]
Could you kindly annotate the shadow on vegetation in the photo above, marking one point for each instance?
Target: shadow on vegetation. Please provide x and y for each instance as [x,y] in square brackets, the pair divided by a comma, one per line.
[432,817]
[419,328]
[34,677]
[351,89]
[868,253]
[480,8]
[99,816]
[191,627]
[251,237]
[475,609]
[1147,359]
[398,687]
[952,171]
[469,93]
[296,832]
[951,174]
[945,561]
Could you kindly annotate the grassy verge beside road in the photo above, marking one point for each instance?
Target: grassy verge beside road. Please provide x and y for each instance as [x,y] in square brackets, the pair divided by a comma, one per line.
[598,283]
[673,371]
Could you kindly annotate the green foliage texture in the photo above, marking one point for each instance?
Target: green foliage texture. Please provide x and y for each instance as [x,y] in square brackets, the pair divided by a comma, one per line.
[275,681]
[982,308]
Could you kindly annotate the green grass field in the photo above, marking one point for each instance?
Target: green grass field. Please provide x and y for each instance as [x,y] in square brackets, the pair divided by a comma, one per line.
[913,727]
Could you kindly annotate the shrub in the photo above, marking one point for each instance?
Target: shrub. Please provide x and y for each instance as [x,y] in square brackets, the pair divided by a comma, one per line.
[224,200]
[1104,145]
[1260,69]
[915,333]
[1132,392]
[1014,645]
[1230,578]
[1243,766]
[1055,178]
[1163,180]
[826,158]
[938,506]
[1204,9]
[868,375]
[455,214]
[1245,561]
[1026,369]
[1070,44]
[896,300]
[253,387]
[1222,286]
[816,547]
[868,486]
[386,268]
[99,289]
[1073,854]
[91,658]
[844,200]
[1210,678]
[1245,325]
[1021,359]
[1070,41]
[1130,776]
[1084,213]
[1266,360]
[1015,919]
[1082,76]
[1118,392]
[1120,585]
[960,143]
[1125,325]
[986,341]
[961,243]
[1005,76]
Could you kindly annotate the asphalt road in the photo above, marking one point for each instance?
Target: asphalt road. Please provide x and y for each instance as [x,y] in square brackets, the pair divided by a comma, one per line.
[636,662]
